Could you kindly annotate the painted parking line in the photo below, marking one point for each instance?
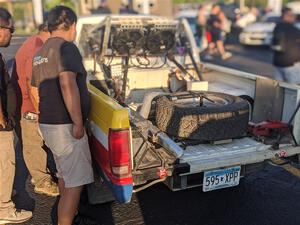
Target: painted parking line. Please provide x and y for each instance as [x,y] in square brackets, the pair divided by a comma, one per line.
[288,167]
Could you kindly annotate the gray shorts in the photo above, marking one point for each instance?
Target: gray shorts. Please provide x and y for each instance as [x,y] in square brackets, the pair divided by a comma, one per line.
[72,156]
[289,74]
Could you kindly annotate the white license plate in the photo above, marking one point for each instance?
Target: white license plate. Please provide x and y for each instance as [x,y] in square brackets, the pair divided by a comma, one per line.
[218,179]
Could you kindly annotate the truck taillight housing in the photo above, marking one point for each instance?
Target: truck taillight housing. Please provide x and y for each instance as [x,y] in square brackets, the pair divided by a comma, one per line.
[119,151]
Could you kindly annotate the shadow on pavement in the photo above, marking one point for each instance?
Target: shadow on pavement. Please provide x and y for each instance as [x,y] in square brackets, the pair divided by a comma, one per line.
[22,199]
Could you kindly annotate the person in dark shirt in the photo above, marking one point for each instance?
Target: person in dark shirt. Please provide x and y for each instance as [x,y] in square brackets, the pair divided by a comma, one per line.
[102,8]
[127,8]
[8,212]
[59,85]
[286,40]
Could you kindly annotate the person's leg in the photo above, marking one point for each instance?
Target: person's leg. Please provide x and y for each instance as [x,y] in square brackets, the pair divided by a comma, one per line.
[217,38]
[220,46]
[7,171]
[73,161]
[61,186]
[224,54]
[279,74]
[67,206]
[292,74]
[8,212]
[36,159]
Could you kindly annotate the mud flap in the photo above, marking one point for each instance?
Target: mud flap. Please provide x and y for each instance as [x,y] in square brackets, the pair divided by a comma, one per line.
[268,102]
[99,192]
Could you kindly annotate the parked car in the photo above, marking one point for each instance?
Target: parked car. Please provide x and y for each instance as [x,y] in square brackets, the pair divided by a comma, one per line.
[260,33]
[157,117]
[191,16]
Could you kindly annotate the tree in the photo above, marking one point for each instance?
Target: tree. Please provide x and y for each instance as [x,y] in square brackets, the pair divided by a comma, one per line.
[49,4]
[187,1]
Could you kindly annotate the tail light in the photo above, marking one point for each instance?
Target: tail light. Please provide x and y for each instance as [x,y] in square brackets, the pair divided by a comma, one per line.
[119,150]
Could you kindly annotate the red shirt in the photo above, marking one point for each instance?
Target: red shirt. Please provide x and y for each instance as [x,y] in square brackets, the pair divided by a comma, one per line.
[24,59]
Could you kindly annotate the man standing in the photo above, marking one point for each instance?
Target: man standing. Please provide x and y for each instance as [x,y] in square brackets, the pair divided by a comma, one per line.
[34,156]
[8,212]
[286,40]
[59,74]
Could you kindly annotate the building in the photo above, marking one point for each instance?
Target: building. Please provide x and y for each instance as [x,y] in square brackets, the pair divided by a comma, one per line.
[156,7]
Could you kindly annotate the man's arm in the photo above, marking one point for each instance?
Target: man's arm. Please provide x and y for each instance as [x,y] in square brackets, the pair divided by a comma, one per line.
[71,98]
[33,95]
[2,119]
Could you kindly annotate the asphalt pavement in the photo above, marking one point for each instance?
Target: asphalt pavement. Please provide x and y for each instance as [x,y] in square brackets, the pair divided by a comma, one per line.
[270,197]
[252,59]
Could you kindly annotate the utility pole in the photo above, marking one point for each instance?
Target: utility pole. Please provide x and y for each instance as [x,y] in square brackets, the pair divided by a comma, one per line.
[10,7]
[38,11]
[146,7]
[275,5]
[242,5]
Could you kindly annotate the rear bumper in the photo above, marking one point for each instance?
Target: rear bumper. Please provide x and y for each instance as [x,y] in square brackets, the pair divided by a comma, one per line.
[250,157]
[251,40]
[185,181]
[247,153]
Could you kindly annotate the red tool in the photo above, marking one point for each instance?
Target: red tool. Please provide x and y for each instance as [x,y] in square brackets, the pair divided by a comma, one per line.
[268,128]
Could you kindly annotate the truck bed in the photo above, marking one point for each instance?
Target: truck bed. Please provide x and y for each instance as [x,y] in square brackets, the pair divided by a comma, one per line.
[242,151]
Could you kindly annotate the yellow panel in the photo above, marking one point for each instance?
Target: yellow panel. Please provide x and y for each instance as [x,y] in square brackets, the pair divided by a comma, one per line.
[106,112]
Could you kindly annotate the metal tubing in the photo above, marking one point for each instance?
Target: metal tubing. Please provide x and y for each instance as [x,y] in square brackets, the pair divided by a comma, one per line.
[169,144]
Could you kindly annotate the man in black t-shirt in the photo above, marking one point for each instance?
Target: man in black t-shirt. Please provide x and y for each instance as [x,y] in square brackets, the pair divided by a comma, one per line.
[8,212]
[286,40]
[64,105]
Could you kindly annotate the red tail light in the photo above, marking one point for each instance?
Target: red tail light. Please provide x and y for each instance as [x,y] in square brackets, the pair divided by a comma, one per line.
[119,150]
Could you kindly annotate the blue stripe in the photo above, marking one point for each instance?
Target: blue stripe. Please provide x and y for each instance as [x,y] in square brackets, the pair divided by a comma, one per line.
[222,172]
[122,193]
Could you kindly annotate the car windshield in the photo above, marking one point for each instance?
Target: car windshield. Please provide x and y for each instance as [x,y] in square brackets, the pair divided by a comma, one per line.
[192,22]
[271,19]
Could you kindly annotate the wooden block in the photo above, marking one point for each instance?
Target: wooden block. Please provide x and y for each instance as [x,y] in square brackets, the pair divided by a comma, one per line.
[197,86]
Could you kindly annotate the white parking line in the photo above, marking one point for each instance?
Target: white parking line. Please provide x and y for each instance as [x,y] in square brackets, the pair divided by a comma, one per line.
[288,167]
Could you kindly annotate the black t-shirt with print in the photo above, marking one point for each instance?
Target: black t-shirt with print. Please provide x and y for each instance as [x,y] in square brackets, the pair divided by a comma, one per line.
[56,56]
[8,95]
[287,36]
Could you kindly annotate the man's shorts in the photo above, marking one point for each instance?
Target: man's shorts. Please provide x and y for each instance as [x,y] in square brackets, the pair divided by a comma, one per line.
[216,34]
[72,156]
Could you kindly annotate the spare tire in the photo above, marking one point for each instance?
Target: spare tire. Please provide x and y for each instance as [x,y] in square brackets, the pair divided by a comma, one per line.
[219,117]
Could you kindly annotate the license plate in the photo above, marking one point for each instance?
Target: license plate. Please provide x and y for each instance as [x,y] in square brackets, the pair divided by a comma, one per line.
[218,179]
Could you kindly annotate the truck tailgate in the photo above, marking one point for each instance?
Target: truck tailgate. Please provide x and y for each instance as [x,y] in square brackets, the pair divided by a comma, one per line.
[243,151]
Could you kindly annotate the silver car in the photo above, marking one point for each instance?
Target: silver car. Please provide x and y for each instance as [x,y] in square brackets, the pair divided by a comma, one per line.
[260,33]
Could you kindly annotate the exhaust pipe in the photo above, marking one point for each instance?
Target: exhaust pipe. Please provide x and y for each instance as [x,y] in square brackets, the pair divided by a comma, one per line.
[166,142]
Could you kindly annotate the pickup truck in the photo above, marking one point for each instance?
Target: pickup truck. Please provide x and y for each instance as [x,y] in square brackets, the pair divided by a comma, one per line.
[160,115]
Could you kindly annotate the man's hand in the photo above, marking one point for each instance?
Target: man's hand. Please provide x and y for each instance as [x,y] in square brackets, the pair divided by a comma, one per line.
[78,131]
[3,122]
